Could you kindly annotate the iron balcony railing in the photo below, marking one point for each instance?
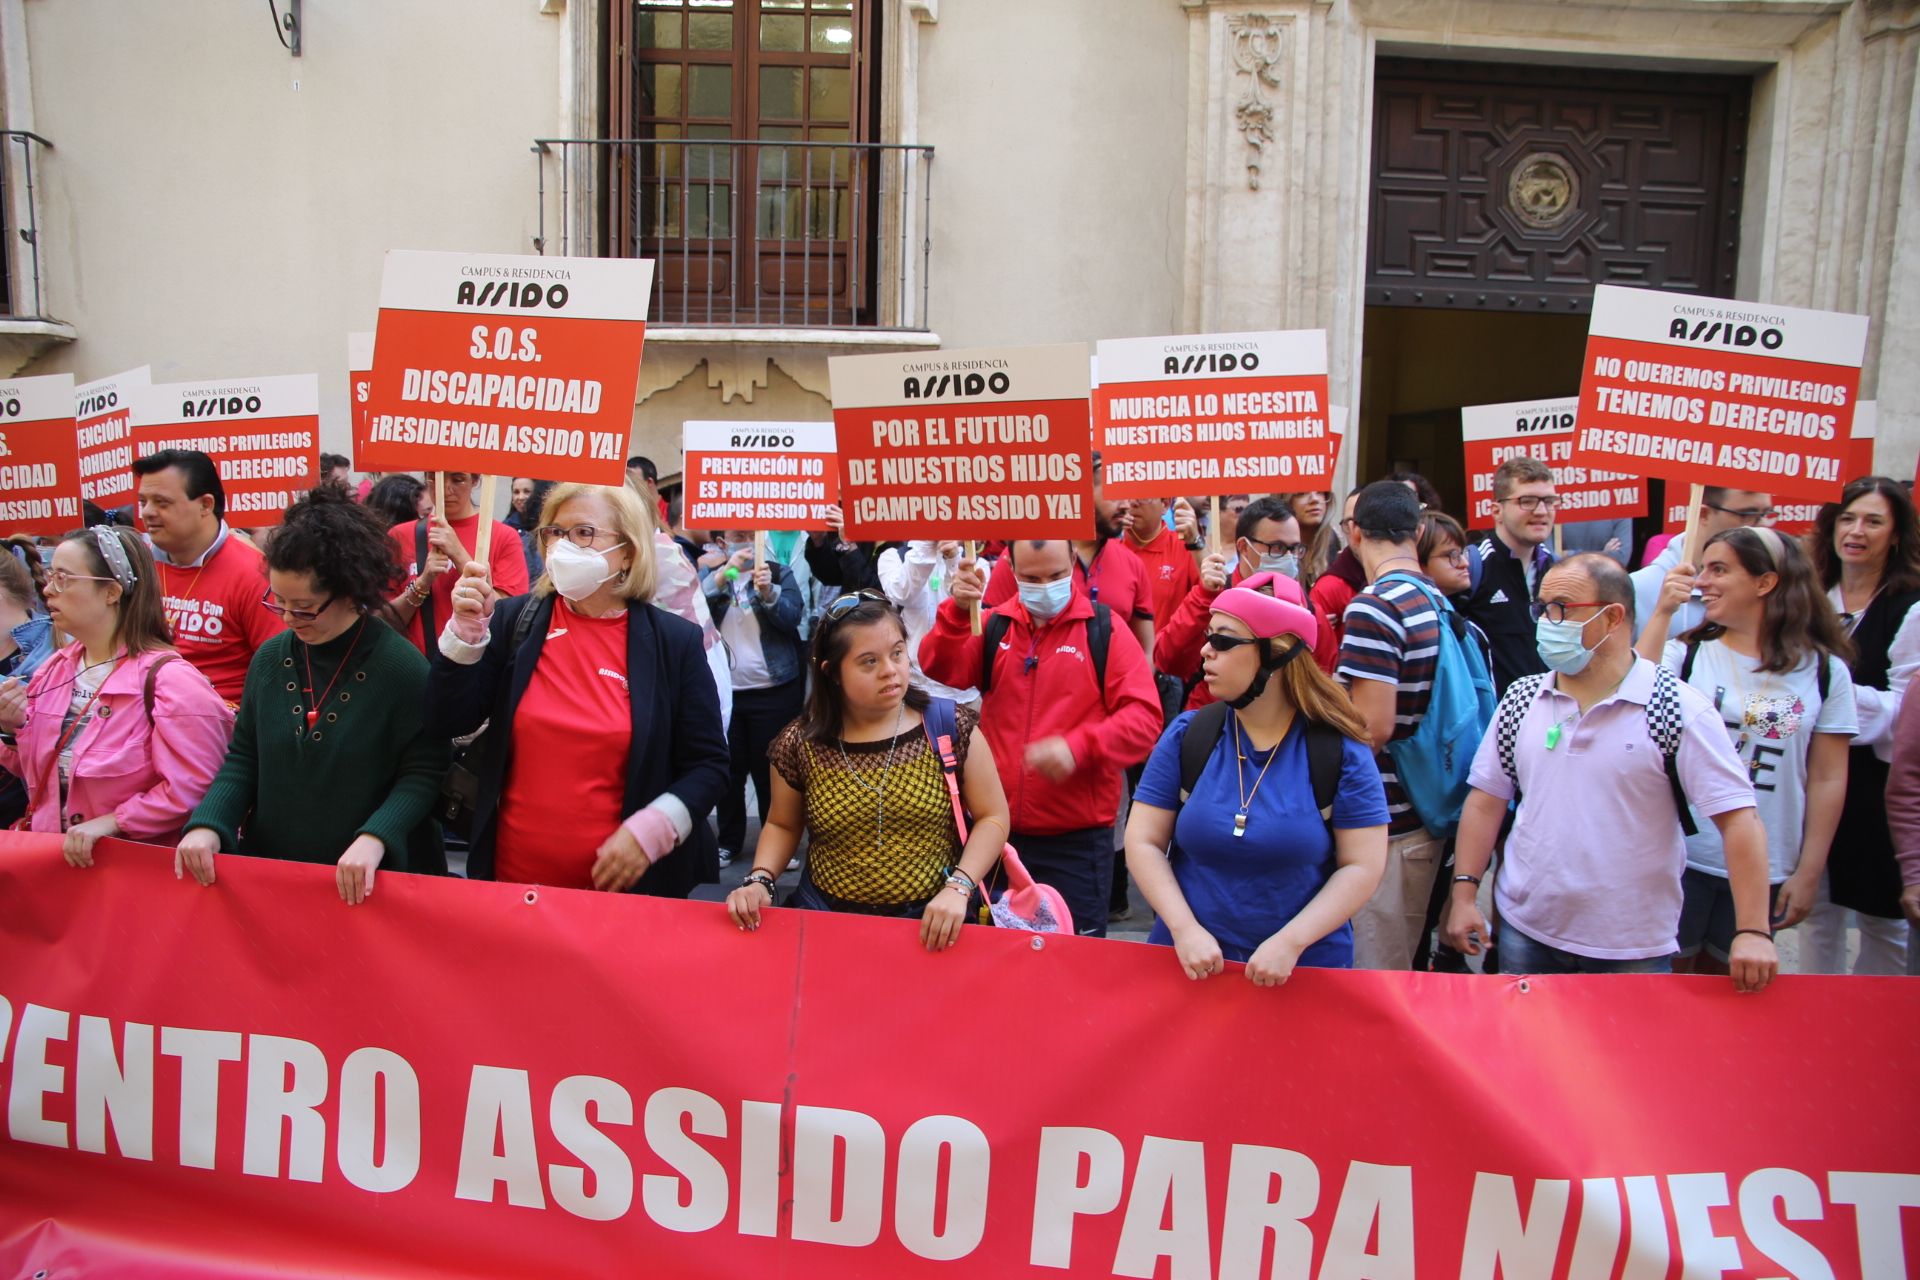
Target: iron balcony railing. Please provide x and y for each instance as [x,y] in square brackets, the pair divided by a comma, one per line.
[20,296]
[749,232]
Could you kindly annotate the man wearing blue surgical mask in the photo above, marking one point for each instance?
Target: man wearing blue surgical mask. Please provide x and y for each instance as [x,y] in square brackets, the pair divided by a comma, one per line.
[1267,540]
[1067,702]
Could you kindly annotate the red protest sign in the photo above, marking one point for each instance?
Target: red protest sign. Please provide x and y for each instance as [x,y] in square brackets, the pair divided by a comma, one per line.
[262,433]
[359,392]
[39,456]
[506,364]
[1543,429]
[1337,416]
[1798,517]
[759,475]
[1710,391]
[982,444]
[102,410]
[1225,413]
[478,1119]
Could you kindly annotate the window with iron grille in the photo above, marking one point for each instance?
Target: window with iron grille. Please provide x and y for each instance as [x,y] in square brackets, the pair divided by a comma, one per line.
[750,176]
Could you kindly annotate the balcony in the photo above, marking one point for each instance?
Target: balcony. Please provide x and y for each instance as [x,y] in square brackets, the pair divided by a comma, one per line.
[752,239]
[25,328]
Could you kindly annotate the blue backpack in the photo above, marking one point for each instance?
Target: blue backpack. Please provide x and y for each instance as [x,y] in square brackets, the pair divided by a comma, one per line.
[1433,764]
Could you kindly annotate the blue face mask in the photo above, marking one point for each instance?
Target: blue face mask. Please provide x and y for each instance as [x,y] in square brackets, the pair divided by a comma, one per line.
[1561,645]
[1045,600]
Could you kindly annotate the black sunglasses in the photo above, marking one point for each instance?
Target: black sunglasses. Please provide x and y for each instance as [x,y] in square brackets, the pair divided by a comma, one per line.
[846,604]
[1221,642]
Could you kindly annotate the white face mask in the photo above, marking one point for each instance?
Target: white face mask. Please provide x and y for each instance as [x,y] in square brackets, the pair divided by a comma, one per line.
[1045,600]
[1287,565]
[576,571]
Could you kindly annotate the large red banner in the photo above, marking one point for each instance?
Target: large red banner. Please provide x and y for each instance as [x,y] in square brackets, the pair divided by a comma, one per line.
[497,1080]
[39,456]
[103,409]
[506,364]
[262,433]
[1495,433]
[1215,414]
[986,443]
[1716,392]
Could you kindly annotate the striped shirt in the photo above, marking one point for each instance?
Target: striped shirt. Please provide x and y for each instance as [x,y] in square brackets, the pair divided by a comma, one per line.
[1393,635]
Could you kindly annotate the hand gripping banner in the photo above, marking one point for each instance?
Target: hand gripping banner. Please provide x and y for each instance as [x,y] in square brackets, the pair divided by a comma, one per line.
[503,1081]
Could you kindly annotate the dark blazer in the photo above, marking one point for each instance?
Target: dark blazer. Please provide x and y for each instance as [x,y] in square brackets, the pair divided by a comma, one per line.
[678,745]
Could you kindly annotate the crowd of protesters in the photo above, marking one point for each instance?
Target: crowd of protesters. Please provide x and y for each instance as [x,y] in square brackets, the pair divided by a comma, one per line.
[1324,734]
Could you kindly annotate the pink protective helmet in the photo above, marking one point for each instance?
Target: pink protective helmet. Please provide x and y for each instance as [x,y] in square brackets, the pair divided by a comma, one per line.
[1284,613]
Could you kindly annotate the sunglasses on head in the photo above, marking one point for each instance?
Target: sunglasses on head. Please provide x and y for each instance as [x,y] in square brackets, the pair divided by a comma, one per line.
[846,604]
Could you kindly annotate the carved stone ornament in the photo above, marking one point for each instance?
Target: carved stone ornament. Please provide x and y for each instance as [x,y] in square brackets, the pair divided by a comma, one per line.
[1543,190]
[1257,43]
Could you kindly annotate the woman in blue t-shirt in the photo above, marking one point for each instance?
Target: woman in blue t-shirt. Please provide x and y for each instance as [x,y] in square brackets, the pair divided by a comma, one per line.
[1248,868]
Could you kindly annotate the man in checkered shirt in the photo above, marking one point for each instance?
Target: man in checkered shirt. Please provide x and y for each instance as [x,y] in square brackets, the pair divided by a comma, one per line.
[1590,880]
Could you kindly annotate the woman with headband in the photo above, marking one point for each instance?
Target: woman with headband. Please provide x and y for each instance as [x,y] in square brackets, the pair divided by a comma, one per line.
[115,736]
[1771,656]
[1252,851]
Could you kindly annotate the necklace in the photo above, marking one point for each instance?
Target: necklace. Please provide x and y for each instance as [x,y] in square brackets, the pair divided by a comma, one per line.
[306,653]
[1393,559]
[1240,778]
[878,792]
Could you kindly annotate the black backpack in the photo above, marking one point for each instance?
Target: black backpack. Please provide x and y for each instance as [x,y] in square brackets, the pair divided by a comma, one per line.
[1099,637]
[1326,750]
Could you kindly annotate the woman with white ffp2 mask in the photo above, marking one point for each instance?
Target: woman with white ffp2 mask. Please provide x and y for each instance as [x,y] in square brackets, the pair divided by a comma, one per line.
[604,751]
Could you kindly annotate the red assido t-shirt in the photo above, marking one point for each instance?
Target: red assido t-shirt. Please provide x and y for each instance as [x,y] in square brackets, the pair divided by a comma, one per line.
[572,732]
[213,610]
[505,557]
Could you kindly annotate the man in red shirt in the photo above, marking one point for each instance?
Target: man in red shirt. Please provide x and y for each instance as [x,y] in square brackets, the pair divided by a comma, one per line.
[211,583]
[434,552]
[1061,736]
[1166,554]
[1112,577]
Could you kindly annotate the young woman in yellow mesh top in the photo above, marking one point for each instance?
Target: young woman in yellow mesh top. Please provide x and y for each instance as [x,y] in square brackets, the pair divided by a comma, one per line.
[857,772]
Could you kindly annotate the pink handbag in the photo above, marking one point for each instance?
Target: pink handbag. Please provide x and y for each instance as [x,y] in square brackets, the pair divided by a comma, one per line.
[1024,903]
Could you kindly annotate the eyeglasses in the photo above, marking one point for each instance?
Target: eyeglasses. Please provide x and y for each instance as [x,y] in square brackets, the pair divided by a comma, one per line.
[1276,548]
[846,604]
[580,535]
[1456,557]
[1221,642]
[1535,501]
[272,604]
[1745,515]
[59,580]
[1556,610]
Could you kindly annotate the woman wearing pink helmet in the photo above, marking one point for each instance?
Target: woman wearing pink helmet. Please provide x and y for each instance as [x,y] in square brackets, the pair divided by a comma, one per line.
[1250,852]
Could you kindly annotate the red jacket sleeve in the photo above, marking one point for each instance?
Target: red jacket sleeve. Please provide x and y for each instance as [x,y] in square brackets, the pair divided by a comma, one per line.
[1326,646]
[1176,643]
[950,652]
[1126,735]
[1903,790]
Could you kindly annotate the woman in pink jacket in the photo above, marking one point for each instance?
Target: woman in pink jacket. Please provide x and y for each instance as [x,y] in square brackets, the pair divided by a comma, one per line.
[117,735]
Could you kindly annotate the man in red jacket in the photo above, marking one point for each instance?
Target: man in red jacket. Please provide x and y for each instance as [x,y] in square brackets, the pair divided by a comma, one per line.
[1060,735]
[1267,541]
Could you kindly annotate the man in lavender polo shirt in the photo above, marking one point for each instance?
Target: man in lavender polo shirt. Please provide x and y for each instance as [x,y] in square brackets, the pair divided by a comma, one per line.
[1591,878]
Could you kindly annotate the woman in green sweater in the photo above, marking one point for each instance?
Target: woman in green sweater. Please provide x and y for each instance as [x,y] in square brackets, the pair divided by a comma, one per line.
[330,761]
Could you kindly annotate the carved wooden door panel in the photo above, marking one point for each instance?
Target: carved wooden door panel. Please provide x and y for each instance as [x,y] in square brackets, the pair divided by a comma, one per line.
[1516,188]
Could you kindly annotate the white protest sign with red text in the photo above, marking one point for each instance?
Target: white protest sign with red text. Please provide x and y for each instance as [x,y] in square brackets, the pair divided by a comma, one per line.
[39,456]
[982,444]
[1709,391]
[359,391]
[759,475]
[1543,429]
[506,364]
[1797,517]
[1217,414]
[102,409]
[262,433]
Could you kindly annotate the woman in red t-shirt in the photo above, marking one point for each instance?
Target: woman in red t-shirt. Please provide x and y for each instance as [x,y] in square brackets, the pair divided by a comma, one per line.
[605,752]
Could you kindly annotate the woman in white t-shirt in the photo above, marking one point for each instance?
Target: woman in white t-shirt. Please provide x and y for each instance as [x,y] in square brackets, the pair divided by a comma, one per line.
[1772,657]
